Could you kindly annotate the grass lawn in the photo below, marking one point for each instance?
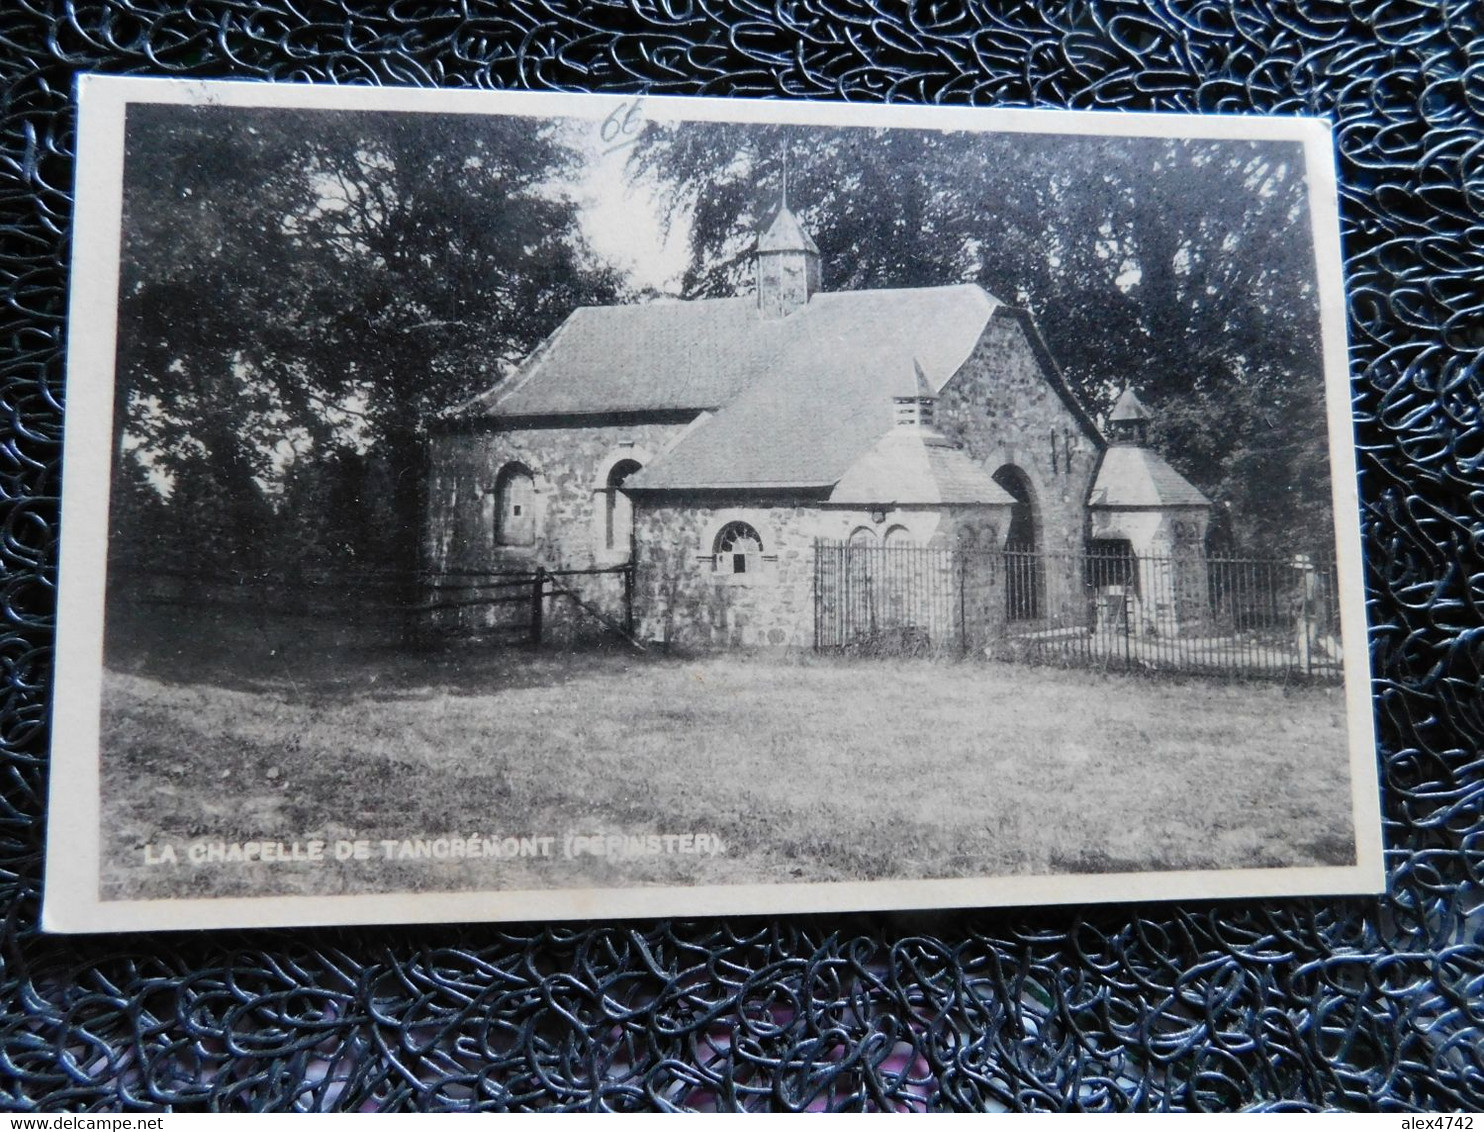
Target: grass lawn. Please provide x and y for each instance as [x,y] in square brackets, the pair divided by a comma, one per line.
[807,769]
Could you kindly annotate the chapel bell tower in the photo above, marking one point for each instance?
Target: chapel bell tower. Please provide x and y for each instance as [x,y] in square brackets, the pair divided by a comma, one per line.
[1128,423]
[787,265]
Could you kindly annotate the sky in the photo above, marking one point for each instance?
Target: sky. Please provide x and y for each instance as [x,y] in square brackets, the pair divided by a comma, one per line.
[622,219]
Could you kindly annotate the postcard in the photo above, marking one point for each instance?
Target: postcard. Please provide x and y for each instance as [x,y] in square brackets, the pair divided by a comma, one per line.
[515,506]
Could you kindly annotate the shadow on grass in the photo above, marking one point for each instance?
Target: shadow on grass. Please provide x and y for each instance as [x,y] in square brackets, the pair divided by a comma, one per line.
[248,649]
[302,658]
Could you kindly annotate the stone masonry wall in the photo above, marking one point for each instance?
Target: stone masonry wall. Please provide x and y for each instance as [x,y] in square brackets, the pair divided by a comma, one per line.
[570,467]
[682,600]
[1002,408]
[680,597]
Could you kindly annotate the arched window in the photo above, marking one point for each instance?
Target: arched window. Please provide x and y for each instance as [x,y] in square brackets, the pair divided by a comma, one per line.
[515,498]
[618,511]
[737,550]
[978,536]
[899,536]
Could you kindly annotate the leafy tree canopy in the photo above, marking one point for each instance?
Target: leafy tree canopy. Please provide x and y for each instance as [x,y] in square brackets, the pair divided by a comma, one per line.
[299,284]
[300,289]
[1183,268]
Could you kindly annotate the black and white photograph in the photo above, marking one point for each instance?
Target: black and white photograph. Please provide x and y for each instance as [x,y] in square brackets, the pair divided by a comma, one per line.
[488,506]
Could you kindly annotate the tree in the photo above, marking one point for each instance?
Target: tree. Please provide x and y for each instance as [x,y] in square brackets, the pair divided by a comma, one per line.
[1182,267]
[303,285]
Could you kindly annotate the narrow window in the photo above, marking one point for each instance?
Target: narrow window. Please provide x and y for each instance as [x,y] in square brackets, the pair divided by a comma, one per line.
[515,495]
[618,512]
[737,549]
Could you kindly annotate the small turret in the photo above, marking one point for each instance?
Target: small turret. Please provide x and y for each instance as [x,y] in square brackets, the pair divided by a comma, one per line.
[787,265]
[1128,423]
[1141,510]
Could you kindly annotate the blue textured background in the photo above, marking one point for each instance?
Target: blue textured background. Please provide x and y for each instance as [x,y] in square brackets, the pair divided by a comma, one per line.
[1352,1004]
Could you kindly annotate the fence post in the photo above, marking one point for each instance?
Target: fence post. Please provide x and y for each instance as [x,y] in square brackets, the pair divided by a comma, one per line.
[538,597]
[816,595]
[628,598]
[1128,628]
[1306,630]
[963,612]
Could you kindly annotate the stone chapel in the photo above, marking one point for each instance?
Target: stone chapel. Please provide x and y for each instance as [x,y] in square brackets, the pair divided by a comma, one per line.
[713,442]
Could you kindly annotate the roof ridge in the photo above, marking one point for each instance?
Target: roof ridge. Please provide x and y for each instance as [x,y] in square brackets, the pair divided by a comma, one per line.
[967,286]
[938,472]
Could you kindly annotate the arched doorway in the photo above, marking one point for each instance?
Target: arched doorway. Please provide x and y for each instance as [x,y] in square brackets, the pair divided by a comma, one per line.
[1112,562]
[1023,569]
[1111,574]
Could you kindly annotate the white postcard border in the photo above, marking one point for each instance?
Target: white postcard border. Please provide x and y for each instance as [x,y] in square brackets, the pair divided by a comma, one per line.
[73,867]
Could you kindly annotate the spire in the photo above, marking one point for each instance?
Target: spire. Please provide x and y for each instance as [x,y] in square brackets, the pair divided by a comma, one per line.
[786,234]
[787,262]
[1128,423]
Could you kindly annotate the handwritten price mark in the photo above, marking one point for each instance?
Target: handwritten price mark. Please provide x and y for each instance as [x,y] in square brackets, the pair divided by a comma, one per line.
[622,127]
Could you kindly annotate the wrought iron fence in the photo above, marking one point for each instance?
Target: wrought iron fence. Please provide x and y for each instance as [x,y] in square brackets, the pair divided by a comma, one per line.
[1106,607]
[897,599]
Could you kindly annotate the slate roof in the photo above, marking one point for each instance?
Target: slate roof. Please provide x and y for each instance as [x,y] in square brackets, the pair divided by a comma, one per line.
[702,354]
[1128,408]
[915,465]
[786,234]
[648,356]
[826,376]
[1132,476]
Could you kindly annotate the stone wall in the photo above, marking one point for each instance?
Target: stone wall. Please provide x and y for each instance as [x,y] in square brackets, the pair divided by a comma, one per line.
[921,578]
[1003,409]
[682,599]
[570,467]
